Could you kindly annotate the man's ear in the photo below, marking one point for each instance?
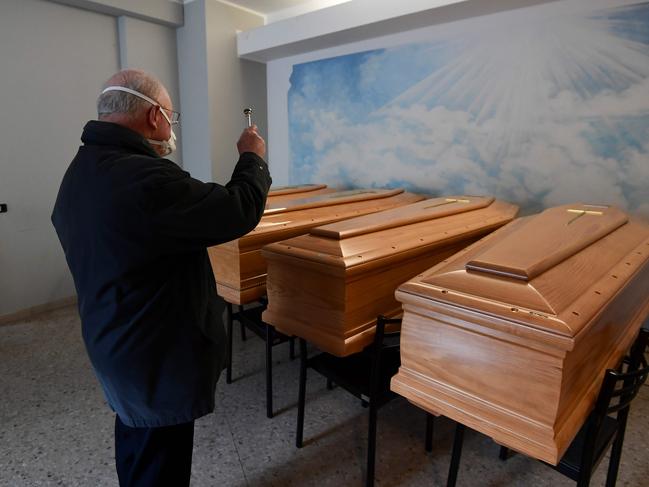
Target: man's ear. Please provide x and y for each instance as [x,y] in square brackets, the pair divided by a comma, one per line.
[152,117]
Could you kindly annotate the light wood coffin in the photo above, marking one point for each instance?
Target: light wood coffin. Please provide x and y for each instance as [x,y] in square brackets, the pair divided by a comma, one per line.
[286,193]
[512,336]
[240,270]
[329,286]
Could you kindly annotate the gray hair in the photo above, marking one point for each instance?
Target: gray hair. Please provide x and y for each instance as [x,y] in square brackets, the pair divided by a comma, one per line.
[122,102]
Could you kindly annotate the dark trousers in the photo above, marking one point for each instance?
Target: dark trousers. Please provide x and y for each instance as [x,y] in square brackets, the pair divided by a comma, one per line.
[154,457]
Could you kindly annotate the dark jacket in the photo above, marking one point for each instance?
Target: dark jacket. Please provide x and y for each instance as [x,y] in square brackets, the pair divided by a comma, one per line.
[134,228]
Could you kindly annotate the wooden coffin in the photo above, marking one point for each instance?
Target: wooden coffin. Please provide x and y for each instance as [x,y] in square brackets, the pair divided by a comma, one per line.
[329,286]
[240,270]
[286,193]
[512,336]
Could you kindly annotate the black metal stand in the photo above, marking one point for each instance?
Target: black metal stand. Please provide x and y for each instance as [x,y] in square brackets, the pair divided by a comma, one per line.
[430,425]
[455,456]
[301,395]
[251,319]
[366,375]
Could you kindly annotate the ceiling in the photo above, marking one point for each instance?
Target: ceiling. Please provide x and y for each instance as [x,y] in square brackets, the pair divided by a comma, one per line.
[268,6]
[277,9]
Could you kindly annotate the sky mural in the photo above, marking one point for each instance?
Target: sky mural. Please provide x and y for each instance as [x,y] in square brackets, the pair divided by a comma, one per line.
[539,106]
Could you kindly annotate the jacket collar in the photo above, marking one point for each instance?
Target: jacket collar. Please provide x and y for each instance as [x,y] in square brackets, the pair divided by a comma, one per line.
[97,132]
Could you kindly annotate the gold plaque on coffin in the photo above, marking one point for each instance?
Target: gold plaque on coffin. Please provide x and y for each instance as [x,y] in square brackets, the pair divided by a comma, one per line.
[329,286]
[512,336]
[239,268]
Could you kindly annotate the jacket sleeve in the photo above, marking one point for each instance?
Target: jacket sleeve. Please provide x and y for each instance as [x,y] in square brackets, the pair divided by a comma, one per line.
[186,214]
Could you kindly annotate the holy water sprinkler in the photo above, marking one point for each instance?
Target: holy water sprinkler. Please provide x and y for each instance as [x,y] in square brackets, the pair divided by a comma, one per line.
[247,112]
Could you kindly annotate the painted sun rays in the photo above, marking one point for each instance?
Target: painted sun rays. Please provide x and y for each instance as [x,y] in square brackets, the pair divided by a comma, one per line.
[507,107]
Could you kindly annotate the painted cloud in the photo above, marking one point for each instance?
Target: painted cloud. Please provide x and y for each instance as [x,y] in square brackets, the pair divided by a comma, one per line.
[540,106]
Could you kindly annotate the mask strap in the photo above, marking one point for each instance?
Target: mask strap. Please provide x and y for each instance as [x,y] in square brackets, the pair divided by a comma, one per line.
[139,95]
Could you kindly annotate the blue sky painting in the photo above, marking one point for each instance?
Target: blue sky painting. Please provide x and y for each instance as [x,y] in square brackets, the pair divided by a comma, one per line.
[537,106]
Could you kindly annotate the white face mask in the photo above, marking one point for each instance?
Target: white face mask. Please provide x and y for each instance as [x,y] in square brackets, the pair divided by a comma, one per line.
[168,145]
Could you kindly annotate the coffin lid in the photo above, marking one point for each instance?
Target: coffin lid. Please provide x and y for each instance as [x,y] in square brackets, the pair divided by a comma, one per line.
[337,198]
[565,231]
[429,209]
[391,235]
[553,271]
[282,225]
[298,188]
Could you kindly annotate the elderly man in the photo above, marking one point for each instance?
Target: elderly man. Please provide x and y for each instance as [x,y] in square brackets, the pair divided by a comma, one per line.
[134,227]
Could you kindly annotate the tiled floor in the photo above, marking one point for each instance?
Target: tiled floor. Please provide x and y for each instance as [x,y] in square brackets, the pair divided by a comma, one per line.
[57,430]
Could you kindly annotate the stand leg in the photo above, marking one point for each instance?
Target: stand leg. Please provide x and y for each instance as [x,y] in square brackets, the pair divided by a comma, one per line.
[269,371]
[430,424]
[228,375]
[457,453]
[301,395]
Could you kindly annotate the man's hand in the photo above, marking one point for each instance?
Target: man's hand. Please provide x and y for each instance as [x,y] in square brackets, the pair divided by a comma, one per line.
[251,141]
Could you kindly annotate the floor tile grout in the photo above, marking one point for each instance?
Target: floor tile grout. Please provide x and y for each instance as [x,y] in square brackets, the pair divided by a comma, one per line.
[46,375]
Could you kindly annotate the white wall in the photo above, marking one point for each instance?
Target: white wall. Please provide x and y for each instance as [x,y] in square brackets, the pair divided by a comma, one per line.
[215,87]
[53,60]
[152,47]
[358,20]
[167,12]
[55,57]
[233,84]
[194,93]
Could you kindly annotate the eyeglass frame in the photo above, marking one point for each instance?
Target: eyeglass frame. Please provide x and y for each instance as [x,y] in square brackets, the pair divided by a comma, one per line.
[174,114]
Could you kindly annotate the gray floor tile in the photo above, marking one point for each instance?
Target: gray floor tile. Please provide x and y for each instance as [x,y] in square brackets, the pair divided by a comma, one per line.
[57,430]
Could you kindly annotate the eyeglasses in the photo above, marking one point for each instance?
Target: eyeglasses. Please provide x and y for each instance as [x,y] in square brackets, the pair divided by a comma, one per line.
[174,116]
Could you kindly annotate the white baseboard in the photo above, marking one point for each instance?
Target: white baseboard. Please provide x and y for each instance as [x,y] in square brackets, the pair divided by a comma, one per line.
[27,313]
